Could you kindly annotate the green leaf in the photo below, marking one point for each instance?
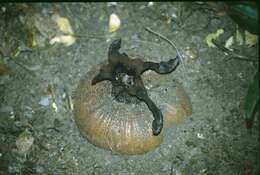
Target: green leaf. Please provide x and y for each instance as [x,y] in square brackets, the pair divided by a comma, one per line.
[252,101]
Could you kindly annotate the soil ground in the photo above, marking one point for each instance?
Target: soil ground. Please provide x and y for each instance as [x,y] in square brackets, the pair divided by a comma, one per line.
[214,140]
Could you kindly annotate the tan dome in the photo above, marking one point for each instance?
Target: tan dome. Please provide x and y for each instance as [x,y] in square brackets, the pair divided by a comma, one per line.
[127,128]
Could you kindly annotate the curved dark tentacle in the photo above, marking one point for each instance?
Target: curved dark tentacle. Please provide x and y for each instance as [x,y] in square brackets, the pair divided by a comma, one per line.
[140,92]
[164,67]
[114,46]
[113,52]
[105,73]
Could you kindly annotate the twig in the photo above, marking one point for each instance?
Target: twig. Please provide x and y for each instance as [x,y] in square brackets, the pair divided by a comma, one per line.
[53,128]
[68,98]
[242,58]
[232,55]
[171,43]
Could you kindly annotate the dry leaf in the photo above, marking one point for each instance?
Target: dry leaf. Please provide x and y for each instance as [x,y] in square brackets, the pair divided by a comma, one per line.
[63,24]
[114,23]
[55,107]
[64,39]
[214,36]
[251,39]
[229,42]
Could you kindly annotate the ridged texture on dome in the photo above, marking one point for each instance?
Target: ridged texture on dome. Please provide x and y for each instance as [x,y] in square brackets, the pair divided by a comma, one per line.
[127,128]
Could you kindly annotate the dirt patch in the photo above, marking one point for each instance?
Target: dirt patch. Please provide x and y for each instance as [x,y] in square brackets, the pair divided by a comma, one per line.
[35,97]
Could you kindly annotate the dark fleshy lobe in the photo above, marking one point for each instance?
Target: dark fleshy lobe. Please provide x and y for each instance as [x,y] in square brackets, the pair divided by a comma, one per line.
[127,85]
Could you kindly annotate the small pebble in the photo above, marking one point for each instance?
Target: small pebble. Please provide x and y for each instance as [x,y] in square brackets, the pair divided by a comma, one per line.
[200,136]
[174,15]
[24,142]
[45,12]
[150,4]
[109,4]
[34,67]
[3,9]
[45,101]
